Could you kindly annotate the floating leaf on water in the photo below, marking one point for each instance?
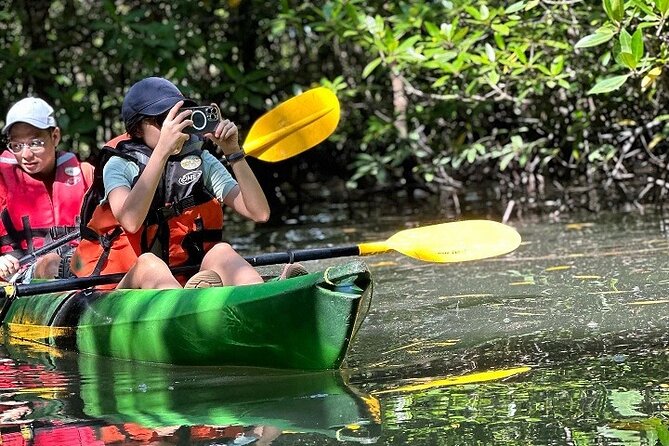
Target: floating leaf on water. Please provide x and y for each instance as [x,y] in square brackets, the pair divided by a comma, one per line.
[579,226]
[648,302]
[458,296]
[558,268]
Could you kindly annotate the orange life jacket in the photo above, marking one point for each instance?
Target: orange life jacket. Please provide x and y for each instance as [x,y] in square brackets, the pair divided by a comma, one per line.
[31,216]
[184,221]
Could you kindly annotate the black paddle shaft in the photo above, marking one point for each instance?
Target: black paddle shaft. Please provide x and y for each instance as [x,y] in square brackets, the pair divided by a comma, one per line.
[273,258]
[303,255]
[48,248]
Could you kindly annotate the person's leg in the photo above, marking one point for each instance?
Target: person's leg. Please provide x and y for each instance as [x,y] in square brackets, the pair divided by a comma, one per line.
[149,271]
[228,264]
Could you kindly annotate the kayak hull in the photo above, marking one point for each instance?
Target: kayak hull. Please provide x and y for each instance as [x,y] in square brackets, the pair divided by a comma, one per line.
[307,322]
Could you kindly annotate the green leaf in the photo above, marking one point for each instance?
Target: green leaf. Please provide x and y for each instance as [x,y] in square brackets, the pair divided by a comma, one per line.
[608,84]
[637,45]
[485,12]
[514,7]
[493,78]
[564,84]
[557,66]
[506,160]
[501,28]
[473,12]
[490,52]
[641,4]
[593,40]
[370,67]
[615,10]
[628,60]
[432,29]
[441,81]
[625,41]
[662,6]
[532,4]
[408,43]
[499,40]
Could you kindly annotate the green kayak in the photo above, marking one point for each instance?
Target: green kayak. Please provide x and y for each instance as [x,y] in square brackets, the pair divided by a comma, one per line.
[306,322]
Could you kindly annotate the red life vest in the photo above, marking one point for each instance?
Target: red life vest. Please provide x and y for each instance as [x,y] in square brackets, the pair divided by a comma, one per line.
[184,221]
[30,215]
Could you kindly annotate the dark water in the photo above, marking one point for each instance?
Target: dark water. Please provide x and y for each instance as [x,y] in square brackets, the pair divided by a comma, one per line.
[562,342]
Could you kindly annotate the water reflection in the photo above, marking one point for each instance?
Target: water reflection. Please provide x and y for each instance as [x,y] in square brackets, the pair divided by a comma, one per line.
[582,304]
[594,400]
[62,398]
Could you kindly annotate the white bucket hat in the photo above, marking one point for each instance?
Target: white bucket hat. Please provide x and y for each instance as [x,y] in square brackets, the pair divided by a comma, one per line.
[33,111]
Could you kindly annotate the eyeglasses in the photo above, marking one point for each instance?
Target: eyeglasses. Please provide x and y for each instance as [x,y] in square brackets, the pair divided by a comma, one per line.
[35,146]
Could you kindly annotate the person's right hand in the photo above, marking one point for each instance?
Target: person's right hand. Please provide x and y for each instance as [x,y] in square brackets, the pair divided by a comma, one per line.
[8,266]
[172,137]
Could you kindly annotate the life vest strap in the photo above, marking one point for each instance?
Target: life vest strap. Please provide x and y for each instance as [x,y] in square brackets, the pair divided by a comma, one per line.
[106,241]
[57,232]
[179,207]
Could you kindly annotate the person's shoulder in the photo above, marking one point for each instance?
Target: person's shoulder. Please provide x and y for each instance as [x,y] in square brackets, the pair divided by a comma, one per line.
[87,170]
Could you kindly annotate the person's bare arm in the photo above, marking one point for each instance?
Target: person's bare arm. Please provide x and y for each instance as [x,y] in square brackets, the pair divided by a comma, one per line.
[131,206]
[248,198]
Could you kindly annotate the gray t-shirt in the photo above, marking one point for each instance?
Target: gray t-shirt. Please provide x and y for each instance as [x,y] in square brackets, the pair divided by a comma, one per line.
[119,172]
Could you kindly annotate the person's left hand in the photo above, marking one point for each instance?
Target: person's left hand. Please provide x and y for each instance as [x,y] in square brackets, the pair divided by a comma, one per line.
[226,136]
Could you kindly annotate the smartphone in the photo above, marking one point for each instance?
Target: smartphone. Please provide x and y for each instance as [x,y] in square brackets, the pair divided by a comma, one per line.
[205,118]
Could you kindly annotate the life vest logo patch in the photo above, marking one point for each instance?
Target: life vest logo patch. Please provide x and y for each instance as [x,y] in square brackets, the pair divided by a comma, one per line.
[191,162]
[190,177]
[73,171]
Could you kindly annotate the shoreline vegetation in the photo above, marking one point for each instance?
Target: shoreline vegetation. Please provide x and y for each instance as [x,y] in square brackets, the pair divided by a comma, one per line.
[546,101]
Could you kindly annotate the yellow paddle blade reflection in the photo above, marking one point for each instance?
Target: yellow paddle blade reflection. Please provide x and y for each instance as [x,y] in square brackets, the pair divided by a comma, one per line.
[471,378]
[458,241]
[294,126]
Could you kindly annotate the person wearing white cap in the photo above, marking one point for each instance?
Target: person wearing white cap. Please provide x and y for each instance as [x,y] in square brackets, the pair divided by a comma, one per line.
[41,189]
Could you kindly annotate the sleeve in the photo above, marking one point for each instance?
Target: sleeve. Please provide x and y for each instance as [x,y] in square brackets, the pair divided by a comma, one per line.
[217,178]
[118,172]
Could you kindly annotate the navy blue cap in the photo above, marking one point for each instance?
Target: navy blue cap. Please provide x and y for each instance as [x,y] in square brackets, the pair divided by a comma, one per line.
[151,96]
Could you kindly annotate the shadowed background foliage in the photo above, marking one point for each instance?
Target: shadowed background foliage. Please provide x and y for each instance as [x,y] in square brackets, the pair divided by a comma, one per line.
[435,94]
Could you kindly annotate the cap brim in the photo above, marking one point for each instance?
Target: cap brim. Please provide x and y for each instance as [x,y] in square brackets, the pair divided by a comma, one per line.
[34,122]
[165,104]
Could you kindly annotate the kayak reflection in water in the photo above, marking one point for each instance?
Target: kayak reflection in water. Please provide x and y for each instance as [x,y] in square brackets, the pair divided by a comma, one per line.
[53,399]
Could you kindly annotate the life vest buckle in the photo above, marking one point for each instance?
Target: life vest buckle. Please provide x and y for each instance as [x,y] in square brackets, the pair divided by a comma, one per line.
[106,240]
[171,210]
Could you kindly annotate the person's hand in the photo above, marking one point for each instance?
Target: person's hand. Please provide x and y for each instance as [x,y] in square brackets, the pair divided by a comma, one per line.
[226,136]
[8,266]
[172,137]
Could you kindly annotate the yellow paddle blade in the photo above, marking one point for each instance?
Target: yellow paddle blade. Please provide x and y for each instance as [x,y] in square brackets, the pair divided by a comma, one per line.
[471,378]
[457,241]
[294,126]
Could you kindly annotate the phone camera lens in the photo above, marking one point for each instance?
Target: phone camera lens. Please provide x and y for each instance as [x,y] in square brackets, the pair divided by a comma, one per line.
[199,120]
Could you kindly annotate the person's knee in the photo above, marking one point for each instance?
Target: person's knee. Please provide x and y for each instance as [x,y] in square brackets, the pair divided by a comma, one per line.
[149,261]
[221,250]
